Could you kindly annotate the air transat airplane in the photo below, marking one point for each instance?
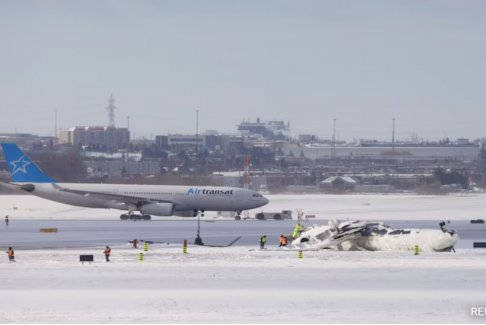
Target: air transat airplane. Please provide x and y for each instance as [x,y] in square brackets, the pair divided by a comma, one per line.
[158,200]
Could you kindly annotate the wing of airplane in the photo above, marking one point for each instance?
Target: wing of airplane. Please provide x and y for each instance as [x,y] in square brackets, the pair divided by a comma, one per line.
[149,206]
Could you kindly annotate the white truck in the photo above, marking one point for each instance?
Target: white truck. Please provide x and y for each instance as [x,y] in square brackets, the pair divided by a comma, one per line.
[284,214]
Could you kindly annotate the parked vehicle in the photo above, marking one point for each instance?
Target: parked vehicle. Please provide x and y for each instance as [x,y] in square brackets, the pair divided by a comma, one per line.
[284,214]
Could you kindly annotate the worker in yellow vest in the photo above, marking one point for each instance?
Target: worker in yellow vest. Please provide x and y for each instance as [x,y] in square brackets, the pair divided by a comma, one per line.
[296,232]
[263,240]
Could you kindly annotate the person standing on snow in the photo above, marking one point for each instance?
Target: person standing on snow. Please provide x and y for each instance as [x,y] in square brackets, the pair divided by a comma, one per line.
[11,254]
[296,231]
[263,240]
[107,253]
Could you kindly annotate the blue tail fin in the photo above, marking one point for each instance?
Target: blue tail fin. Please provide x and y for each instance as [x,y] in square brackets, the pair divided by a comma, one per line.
[23,169]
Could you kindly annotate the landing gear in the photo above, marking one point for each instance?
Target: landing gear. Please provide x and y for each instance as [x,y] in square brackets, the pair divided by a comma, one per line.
[198,240]
[135,217]
[238,215]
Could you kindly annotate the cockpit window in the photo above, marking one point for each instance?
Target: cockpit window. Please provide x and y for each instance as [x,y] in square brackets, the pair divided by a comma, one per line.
[257,195]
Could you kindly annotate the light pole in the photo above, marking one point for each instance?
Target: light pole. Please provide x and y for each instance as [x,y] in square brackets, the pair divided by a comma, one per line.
[333,150]
[483,157]
[393,136]
[197,134]
[128,145]
[198,240]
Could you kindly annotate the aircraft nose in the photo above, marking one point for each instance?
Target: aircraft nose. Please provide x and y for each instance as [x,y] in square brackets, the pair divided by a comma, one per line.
[265,200]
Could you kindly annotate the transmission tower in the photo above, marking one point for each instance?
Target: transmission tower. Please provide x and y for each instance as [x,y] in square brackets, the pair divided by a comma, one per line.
[111,112]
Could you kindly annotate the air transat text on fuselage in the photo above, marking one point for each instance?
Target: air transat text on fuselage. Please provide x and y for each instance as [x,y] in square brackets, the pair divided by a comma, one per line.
[209,192]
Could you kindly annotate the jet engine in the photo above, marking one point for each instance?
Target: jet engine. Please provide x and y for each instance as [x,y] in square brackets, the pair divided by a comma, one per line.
[158,209]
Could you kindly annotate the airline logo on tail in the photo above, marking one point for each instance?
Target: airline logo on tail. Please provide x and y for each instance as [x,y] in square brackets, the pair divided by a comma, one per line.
[23,169]
[20,165]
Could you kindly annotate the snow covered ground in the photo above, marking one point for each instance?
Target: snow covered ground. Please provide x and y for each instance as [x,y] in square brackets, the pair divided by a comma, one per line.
[241,284]
[384,207]
[359,206]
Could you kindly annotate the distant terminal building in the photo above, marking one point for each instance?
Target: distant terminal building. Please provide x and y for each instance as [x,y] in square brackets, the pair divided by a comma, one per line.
[179,142]
[188,142]
[96,138]
[272,130]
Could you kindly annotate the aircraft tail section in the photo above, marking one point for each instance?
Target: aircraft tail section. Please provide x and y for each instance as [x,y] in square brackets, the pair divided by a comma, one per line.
[23,169]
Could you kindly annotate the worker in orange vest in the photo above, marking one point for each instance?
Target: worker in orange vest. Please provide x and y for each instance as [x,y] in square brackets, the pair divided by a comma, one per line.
[283,241]
[107,252]
[11,254]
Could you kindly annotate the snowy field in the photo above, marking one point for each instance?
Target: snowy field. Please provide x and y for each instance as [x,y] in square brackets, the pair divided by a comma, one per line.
[359,206]
[242,285]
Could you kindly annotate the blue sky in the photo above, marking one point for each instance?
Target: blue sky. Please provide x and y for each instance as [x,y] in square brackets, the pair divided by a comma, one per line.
[362,62]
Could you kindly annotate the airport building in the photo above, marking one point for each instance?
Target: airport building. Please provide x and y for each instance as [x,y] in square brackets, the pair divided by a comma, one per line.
[272,130]
[188,142]
[96,138]
[180,142]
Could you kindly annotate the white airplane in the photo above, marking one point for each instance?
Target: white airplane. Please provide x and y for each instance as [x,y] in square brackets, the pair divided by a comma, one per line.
[374,236]
[159,200]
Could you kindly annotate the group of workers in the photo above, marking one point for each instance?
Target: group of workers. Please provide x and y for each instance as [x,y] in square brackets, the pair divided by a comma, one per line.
[283,240]
[11,254]
[107,252]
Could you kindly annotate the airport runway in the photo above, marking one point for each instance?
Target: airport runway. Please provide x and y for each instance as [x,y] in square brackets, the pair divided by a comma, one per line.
[25,234]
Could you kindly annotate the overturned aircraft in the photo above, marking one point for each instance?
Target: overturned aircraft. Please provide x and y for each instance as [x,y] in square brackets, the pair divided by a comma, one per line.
[374,236]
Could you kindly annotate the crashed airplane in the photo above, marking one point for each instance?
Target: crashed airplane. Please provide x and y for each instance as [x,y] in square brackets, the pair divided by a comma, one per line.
[374,236]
